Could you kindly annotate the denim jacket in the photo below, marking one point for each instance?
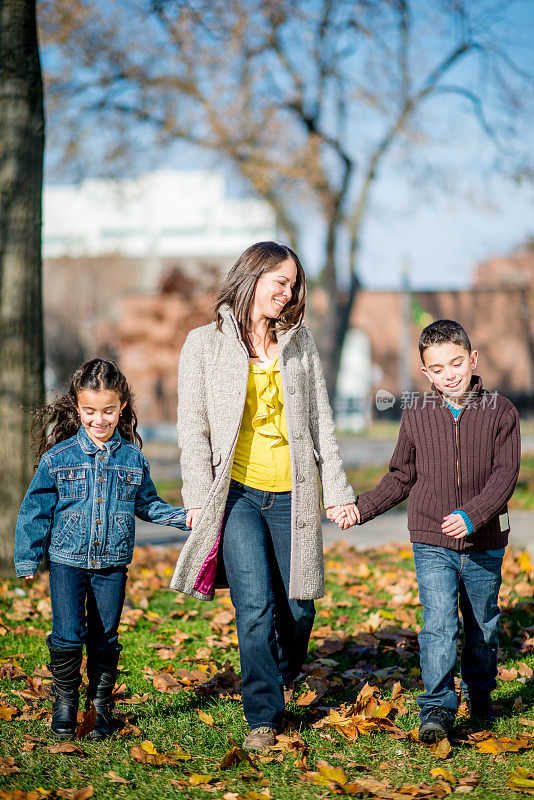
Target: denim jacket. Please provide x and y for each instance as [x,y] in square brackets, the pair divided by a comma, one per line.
[81,503]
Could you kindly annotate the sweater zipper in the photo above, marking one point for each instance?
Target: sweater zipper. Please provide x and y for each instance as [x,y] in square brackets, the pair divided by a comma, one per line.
[456,420]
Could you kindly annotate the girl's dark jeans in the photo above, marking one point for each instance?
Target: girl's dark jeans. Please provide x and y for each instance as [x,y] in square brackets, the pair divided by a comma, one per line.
[86,605]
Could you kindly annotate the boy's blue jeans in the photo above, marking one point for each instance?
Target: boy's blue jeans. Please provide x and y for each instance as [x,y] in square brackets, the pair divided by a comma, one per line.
[273,631]
[86,605]
[443,576]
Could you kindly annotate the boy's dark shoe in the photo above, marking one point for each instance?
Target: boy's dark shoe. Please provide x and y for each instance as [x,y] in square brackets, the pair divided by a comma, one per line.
[102,674]
[65,666]
[435,726]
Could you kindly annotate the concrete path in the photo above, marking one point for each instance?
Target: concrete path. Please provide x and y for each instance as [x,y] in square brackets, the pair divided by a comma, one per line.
[390,527]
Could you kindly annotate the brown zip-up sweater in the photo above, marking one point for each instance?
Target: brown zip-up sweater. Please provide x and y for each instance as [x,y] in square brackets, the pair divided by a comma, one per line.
[469,464]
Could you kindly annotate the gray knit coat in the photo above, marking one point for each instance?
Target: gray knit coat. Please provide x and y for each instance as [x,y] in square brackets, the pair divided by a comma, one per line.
[212,386]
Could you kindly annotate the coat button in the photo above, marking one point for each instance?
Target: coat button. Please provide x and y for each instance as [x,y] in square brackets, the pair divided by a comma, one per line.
[297,435]
[94,563]
[301,523]
[96,544]
[98,521]
[291,389]
[300,477]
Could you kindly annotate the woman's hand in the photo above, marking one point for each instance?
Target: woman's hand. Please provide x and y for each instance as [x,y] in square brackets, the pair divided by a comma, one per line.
[191,518]
[344,516]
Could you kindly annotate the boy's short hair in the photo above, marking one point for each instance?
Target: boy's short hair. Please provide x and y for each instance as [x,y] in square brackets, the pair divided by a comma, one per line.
[442,331]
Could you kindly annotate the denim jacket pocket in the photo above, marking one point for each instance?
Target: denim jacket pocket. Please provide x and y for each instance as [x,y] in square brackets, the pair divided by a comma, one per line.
[128,483]
[122,538]
[69,534]
[72,483]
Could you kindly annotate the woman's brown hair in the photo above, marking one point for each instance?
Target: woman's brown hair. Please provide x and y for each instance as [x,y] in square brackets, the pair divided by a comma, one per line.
[239,286]
[59,419]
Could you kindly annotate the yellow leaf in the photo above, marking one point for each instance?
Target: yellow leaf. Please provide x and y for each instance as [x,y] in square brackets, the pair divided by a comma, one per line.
[180,754]
[336,774]
[441,772]
[207,718]
[196,780]
[441,749]
[524,562]
[148,747]
[521,779]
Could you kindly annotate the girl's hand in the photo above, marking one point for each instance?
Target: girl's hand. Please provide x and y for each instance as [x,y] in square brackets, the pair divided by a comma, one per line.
[454,525]
[29,577]
[191,518]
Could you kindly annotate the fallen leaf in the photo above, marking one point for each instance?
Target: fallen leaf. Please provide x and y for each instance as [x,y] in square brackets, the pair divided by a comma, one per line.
[306,698]
[504,744]
[197,780]
[441,772]
[8,712]
[115,778]
[88,722]
[521,780]
[68,748]
[147,754]
[7,766]
[204,717]
[76,794]
[441,749]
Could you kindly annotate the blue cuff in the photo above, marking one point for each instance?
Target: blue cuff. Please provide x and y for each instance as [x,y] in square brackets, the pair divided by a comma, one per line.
[468,524]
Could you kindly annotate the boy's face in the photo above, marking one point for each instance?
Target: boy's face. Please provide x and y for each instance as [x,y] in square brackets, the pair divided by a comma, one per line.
[449,367]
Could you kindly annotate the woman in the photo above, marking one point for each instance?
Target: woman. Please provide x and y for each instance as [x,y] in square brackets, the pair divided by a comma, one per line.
[254,426]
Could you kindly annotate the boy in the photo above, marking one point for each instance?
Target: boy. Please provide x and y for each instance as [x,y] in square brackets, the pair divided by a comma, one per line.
[457,457]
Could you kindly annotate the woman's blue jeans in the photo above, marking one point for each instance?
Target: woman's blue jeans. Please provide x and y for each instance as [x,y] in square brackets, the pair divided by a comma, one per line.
[86,606]
[273,631]
[443,577]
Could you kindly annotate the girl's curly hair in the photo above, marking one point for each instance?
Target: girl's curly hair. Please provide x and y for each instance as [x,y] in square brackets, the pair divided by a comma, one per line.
[59,419]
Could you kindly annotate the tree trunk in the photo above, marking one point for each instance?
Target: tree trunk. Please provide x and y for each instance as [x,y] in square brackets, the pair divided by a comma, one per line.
[332,330]
[21,326]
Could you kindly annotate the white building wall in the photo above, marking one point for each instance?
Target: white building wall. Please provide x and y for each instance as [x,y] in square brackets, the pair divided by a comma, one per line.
[161,214]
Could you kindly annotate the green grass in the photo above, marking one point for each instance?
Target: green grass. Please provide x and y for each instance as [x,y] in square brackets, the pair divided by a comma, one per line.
[367,593]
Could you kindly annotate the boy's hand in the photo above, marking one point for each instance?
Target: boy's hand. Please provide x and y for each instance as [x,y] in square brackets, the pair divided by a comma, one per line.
[454,525]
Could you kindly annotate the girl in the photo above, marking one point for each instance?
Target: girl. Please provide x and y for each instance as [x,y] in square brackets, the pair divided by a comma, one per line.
[255,425]
[90,481]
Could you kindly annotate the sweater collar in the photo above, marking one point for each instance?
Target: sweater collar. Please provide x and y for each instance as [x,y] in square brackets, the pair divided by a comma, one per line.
[231,327]
[473,394]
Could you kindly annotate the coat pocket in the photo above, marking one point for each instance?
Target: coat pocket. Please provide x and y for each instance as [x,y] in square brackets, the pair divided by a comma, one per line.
[69,534]
[72,483]
[121,536]
[128,483]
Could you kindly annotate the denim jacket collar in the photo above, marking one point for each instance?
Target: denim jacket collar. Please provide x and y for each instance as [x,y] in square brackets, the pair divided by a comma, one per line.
[89,447]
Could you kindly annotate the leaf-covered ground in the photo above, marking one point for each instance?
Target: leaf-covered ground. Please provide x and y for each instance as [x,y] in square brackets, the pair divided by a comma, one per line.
[351,722]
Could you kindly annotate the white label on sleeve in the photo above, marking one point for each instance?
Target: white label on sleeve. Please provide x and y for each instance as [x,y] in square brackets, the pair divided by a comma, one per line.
[504,522]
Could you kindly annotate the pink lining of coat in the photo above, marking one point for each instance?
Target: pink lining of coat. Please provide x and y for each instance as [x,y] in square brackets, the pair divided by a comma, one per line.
[205,582]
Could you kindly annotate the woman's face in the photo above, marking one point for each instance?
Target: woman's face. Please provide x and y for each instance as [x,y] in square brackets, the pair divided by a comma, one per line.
[274,289]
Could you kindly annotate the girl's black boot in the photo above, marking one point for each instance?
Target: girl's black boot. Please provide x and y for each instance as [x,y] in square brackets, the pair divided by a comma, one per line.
[102,674]
[65,664]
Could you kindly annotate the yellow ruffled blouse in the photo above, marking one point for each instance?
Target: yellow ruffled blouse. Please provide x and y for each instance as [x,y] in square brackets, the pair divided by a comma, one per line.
[261,458]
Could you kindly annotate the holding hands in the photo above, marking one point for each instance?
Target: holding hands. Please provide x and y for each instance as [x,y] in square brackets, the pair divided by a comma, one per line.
[345,516]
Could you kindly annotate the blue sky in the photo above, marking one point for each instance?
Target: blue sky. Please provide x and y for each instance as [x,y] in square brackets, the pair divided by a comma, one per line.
[440,232]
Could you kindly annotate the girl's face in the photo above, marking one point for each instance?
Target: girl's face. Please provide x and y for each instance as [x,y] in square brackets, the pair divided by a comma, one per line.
[99,413]
[273,290]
